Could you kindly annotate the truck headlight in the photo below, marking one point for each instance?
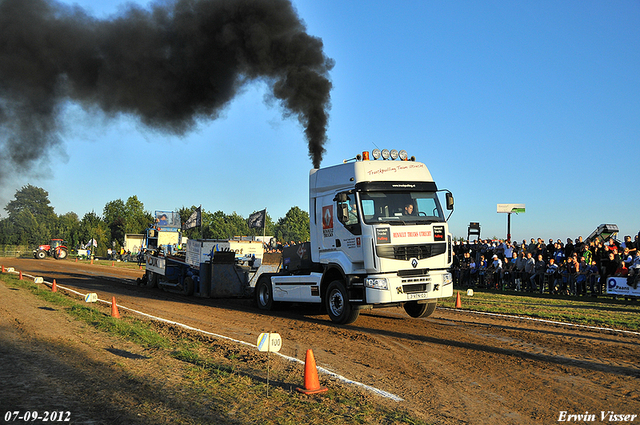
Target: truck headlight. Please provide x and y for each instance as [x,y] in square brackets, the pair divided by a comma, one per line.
[376,283]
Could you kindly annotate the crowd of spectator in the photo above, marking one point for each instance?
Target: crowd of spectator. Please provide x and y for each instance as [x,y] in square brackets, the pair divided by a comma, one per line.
[574,267]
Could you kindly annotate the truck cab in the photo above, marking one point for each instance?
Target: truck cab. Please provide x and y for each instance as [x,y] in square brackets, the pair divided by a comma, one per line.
[379,237]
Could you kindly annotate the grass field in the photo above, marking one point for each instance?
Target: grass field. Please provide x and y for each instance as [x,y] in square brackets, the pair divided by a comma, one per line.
[603,311]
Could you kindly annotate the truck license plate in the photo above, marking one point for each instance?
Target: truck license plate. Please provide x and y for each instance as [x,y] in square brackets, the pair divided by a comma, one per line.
[417,296]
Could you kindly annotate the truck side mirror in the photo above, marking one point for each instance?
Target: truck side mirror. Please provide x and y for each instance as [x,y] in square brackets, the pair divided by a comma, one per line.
[449,201]
[341,197]
[343,212]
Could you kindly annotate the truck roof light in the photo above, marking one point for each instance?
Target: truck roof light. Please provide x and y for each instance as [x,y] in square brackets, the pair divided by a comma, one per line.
[376,153]
[403,155]
[394,154]
[385,153]
[365,156]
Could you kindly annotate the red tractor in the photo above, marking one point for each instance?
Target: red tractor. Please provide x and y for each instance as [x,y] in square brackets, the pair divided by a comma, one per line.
[57,249]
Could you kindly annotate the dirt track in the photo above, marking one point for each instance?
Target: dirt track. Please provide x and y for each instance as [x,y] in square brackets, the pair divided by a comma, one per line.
[454,367]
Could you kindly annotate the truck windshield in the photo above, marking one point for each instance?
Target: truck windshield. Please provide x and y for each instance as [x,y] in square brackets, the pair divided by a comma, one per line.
[400,207]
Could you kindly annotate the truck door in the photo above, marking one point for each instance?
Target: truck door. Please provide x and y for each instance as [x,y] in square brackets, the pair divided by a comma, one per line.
[348,229]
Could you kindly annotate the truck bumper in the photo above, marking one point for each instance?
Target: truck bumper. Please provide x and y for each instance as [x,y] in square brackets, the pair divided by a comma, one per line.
[438,284]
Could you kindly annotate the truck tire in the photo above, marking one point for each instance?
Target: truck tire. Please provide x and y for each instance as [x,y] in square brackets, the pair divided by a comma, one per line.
[40,255]
[337,304]
[416,310]
[264,294]
[61,254]
[188,286]
[152,279]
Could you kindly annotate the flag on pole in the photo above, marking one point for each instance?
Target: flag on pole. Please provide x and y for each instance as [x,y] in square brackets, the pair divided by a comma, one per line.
[257,219]
[194,220]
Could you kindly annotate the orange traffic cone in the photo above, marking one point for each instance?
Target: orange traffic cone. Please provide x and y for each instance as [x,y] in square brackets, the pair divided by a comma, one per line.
[20,278]
[2,269]
[114,308]
[76,259]
[113,263]
[458,303]
[54,288]
[311,382]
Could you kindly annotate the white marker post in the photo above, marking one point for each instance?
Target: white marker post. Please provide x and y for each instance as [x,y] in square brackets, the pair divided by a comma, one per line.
[269,342]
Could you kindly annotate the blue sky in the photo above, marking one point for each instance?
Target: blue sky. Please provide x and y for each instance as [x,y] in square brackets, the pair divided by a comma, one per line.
[506,102]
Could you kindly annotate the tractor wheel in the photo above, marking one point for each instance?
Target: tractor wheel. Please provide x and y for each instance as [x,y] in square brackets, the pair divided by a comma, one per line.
[60,254]
[41,255]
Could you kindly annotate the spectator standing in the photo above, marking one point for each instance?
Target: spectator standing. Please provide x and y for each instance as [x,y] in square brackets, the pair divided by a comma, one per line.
[593,276]
[551,248]
[579,246]
[634,271]
[482,270]
[558,254]
[551,274]
[581,278]
[496,270]
[508,250]
[508,270]
[538,274]
[572,270]
[568,248]
[519,270]
[465,269]
[608,268]
[529,269]
[587,255]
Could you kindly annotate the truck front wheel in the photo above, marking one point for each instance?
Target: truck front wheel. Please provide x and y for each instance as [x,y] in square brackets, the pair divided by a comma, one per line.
[40,255]
[264,294]
[338,306]
[416,310]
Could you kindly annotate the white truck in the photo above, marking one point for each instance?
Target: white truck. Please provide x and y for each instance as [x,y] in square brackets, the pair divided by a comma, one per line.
[379,238]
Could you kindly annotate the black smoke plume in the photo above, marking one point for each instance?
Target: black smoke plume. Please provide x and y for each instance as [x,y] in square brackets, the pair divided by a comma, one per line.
[171,65]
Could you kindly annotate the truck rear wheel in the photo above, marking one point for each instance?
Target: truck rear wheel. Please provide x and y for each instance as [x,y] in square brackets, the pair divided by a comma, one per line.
[338,306]
[152,279]
[264,294]
[416,310]
[61,254]
[188,286]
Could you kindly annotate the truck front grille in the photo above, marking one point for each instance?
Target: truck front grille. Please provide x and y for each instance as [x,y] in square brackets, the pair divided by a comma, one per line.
[407,252]
[410,289]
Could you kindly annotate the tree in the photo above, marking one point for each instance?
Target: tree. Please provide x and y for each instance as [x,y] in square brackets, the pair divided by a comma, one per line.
[30,216]
[93,227]
[114,217]
[185,213]
[68,228]
[137,220]
[33,199]
[122,218]
[28,230]
[294,226]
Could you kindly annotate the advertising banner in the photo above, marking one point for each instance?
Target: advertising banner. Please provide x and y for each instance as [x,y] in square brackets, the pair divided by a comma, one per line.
[618,286]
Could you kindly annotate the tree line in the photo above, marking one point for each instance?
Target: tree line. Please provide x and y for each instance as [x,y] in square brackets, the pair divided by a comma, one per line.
[32,221]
